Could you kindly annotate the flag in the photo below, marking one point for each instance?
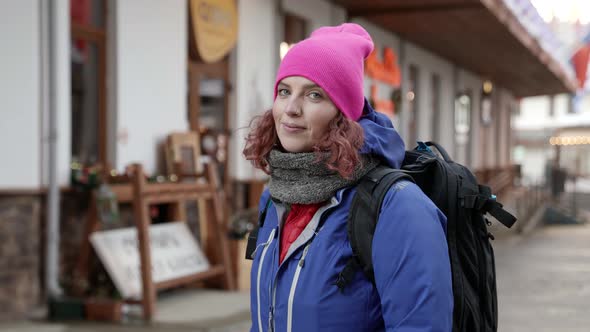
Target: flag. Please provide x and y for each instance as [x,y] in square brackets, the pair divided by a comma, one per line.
[580,60]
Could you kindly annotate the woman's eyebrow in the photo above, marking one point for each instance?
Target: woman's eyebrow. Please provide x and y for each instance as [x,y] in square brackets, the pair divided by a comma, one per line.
[305,86]
[311,86]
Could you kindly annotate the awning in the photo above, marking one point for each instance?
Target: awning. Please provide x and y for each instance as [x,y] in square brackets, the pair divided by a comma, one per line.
[483,36]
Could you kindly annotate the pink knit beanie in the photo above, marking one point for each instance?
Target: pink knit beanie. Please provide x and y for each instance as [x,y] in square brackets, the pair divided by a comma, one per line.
[333,58]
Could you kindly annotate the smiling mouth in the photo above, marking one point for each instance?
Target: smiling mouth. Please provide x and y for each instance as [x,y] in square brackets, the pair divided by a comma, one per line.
[290,126]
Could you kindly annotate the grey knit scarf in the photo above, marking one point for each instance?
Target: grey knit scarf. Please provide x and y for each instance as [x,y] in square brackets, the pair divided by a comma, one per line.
[298,178]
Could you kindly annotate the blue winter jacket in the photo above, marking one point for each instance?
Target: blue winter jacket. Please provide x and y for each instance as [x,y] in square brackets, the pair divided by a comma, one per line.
[412,291]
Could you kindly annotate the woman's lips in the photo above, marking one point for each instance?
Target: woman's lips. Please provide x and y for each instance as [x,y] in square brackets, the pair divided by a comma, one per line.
[292,128]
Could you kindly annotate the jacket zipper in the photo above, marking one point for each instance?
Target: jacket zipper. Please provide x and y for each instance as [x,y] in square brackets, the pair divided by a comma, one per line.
[258,277]
[273,296]
[273,286]
[293,287]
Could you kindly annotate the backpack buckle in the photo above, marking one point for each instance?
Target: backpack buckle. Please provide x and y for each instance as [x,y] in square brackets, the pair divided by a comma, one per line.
[423,147]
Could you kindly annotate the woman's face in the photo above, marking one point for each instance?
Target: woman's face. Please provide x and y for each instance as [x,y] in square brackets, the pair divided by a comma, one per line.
[302,112]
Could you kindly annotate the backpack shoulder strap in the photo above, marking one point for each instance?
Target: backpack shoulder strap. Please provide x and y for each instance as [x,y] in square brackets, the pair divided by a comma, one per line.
[253,236]
[362,220]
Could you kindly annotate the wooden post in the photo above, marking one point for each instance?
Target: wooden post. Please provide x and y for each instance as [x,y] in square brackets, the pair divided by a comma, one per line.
[221,229]
[178,212]
[143,222]
[82,266]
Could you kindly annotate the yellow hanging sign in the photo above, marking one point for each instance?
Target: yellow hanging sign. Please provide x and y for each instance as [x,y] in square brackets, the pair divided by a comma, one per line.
[215,27]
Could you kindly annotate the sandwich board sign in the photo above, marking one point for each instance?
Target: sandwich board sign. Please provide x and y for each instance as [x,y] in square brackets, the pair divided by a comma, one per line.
[174,254]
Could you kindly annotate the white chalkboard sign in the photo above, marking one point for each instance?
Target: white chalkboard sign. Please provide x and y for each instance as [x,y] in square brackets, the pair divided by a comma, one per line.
[174,252]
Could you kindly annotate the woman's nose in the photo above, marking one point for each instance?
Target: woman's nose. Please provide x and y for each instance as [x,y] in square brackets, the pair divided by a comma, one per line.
[293,107]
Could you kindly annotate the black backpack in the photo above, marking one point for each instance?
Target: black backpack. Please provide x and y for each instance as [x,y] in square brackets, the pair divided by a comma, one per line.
[455,191]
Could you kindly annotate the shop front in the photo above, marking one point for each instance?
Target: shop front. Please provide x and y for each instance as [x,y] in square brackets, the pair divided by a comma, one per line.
[171,86]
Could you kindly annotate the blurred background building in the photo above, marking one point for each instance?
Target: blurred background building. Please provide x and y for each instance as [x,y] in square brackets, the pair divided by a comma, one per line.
[552,130]
[90,86]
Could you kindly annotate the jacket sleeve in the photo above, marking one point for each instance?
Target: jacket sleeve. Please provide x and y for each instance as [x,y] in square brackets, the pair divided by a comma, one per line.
[411,263]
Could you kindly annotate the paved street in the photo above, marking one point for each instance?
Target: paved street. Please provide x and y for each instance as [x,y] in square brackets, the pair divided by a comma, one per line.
[543,286]
[544,280]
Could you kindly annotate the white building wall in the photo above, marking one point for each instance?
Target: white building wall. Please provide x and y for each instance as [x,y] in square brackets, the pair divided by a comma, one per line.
[533,161]
[562,105]
[499,133]
[428,64]
[253,60]
[446,124]
[151,78]
[534,113]
[504,138]
[20,126]
[469,82]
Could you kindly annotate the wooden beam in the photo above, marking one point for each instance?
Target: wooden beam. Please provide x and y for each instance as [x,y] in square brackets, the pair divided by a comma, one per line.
[404,10]
[220,230]
[217,270]
[142,221]
[22,192]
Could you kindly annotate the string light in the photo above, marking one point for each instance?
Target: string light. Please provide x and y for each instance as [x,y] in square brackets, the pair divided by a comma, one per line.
[569,140]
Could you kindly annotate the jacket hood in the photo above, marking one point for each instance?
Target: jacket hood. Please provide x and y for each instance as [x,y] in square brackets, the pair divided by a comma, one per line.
[381,138]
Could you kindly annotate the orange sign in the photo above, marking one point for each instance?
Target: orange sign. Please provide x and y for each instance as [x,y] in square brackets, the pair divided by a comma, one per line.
[215,26]
[387,72]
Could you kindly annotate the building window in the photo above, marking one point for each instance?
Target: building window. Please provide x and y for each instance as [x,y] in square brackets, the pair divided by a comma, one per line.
[463,106]
[486,103]
[412,98]
[435,106]
[88,75]
[462,117]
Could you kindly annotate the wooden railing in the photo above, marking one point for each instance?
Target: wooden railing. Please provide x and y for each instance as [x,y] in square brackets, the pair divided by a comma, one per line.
[499,179]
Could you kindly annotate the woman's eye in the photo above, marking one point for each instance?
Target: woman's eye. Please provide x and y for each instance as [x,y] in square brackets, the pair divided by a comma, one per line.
[283,92]
[315,95]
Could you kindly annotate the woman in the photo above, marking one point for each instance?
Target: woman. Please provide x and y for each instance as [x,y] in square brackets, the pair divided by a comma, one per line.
[319,139]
